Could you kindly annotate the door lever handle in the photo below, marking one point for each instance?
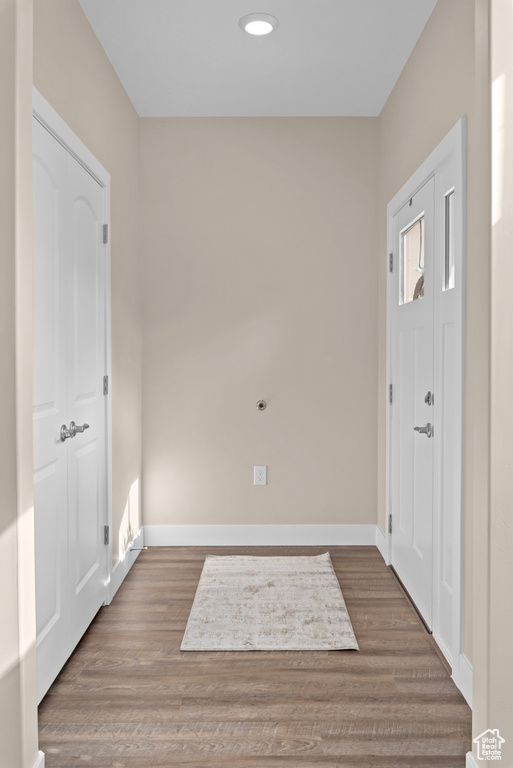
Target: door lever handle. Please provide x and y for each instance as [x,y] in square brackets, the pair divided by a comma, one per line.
[427,430]
[77,428]
[72,431]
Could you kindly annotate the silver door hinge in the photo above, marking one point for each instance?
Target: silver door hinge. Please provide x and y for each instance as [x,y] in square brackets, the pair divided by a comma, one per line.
[390,394]
[105,233]
[390,262]
[106,534]
[390,523]
[105,385]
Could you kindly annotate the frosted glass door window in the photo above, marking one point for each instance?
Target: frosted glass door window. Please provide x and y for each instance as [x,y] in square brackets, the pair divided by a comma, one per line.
[449,242]
[412,258]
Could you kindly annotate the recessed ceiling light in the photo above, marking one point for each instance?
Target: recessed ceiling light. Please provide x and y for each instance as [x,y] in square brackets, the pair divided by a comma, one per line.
[258,23]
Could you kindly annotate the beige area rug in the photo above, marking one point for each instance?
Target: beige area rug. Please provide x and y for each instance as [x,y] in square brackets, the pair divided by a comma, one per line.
[268,604]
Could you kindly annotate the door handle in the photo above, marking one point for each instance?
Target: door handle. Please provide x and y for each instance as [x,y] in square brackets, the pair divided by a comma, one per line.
[427,430]
[72,431]
[66,433]
[77,428]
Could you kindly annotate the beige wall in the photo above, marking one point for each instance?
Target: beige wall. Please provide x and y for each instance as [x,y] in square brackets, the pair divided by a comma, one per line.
[436,89]
[73,73]
[500,711]
[18,720]
[259,281]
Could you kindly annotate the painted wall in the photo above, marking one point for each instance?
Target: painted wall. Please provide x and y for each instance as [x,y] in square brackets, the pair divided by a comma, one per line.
[18,698]
[73,73]
[436,89]
[259,281]
[497,655]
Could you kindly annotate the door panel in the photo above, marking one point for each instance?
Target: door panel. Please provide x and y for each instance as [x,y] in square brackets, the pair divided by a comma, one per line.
[50,562]
[413,374]
[50,405]
[69,363]
[85,287]
[425,545]
[86,454]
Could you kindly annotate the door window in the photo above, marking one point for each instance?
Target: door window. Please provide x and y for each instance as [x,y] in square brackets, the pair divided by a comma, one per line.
[412,260]
[449,241]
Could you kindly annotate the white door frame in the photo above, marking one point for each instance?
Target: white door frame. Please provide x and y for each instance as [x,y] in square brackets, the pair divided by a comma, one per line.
[451,152]
[54,124]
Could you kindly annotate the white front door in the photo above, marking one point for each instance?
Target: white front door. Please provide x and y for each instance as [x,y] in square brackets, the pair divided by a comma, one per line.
[413,428]
[70,361]
[425,321]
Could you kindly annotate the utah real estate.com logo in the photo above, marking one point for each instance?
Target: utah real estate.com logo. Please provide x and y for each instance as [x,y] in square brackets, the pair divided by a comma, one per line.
[489,745]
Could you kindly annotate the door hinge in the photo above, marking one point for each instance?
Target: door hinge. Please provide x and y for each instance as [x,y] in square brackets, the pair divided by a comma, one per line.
[390,523]
[390,262]
[390,394]
[106,534]
[105,233]
[105,385]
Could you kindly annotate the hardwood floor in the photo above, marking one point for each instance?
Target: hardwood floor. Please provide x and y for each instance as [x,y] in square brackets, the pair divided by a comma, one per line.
[128,698]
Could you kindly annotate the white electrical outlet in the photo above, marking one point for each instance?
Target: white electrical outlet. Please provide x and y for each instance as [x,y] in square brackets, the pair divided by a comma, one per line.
[260,476]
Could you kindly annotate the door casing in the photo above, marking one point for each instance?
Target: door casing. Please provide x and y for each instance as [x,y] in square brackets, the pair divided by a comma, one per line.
[447,165]
[55,125]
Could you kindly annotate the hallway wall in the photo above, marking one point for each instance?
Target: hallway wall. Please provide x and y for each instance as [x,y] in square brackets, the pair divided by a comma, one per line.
[497,644]
[73,73]
[18,697]
[259,281]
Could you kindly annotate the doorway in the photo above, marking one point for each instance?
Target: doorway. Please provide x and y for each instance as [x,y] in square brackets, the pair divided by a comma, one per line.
[70,387]
[425,305]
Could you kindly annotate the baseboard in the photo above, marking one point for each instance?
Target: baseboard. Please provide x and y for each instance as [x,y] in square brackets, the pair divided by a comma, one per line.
[40,762]
[462,676]
[381,543]
[123,566]
[258,535]
[470,762]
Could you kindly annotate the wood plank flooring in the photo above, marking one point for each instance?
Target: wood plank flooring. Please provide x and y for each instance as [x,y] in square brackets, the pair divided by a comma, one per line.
[128,698]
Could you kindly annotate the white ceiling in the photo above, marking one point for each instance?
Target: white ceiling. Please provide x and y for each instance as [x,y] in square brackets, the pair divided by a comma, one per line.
[190,58]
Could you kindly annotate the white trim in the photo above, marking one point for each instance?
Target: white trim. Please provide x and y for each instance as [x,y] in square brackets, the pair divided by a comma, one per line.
[470,762]
[54,124]
[454,145]
[40,760]
[122,567]
[258,535]
[462,676]
[381,543]
[108,372]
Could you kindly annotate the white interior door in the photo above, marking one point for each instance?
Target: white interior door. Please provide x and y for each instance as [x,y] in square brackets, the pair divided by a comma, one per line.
[86,365]
[50,405]
[70,362]
[413,429]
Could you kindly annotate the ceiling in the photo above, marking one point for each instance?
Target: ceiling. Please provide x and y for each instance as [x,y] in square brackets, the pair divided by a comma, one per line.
[190,58]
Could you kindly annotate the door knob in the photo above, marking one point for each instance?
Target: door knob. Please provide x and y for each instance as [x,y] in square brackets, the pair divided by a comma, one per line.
[77,428]
[427,430]
[66,433]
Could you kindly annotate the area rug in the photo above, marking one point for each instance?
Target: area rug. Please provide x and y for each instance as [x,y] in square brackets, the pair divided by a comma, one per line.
[248,603]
